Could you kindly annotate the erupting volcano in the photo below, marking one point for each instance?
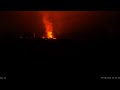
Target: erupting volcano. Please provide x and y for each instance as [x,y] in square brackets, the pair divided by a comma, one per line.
[48,26]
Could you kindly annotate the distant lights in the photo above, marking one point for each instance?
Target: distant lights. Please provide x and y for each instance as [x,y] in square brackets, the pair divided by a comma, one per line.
[54,38]
[46,38]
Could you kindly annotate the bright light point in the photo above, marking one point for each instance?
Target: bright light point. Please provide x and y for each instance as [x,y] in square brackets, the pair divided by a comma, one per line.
[49,34]
[54,38]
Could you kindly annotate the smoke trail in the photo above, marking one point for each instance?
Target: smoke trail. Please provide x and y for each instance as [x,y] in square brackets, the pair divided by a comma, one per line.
[48,25]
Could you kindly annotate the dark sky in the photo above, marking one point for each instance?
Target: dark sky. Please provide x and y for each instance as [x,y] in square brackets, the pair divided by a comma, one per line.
[65,23]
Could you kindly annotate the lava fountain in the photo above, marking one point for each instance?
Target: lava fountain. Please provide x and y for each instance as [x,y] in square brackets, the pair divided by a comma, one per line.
[48,26]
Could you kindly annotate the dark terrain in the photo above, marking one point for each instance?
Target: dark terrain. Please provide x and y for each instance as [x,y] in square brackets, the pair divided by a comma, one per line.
[58,60]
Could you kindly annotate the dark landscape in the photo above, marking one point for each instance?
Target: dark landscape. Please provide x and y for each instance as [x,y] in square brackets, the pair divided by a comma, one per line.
[86,47]
[59,59]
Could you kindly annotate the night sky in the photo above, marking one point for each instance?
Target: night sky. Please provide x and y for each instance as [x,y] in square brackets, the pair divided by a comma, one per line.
[66,24]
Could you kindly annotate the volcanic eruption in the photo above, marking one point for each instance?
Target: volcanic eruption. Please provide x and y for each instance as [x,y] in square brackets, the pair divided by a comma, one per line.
[48,26]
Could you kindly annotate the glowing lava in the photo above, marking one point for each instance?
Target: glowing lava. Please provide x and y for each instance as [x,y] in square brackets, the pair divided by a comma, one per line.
[49,27]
